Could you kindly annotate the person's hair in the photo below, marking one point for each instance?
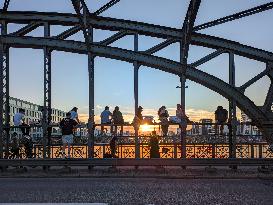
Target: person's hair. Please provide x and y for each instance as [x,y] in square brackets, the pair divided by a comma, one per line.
[68,114]
[106,108]
[21,110]
[75,109]
[116,108]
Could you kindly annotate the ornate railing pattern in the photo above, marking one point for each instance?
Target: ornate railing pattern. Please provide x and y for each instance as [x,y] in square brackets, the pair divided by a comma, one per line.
[253,150]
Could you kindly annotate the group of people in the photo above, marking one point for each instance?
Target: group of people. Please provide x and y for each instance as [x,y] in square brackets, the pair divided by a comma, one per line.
[67,126]
[71,120]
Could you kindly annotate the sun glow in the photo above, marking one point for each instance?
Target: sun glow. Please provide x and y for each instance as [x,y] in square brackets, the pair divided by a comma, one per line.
[146,128]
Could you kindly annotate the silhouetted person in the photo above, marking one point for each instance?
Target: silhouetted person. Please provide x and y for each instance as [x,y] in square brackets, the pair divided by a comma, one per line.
[117,120]
[163,117]
[67,125]
[182,117]
[15,146]
[18,120]
[221,116]
[105,118]
[154,146]
[74,114]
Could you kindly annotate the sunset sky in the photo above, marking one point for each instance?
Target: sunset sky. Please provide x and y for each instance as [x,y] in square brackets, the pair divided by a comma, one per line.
[114,79]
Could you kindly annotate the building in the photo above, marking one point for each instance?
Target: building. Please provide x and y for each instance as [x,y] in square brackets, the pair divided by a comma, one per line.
[206,129]
[247,129]
[33,115]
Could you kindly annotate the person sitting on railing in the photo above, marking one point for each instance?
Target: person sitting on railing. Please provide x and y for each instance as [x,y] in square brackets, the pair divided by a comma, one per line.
[181,116]
[74,114]
[138,119]
[67,125]
[163,117]
[18,120]
[117,120]
[105,118]
[221,116]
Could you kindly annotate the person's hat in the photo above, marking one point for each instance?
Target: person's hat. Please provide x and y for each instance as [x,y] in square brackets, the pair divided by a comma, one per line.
[141,108]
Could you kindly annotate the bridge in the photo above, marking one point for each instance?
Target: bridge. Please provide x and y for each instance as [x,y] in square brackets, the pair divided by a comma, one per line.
[84,21]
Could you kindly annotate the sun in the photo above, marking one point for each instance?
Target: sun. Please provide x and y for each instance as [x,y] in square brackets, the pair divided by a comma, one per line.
[146,128]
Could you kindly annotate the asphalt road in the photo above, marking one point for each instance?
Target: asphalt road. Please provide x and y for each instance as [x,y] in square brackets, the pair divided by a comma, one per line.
[136,191]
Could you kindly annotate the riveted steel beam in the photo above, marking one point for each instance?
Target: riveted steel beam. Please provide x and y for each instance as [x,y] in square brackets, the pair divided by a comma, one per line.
[26,29]
[4,89]
[160,46]
[166,65]
[77,28]
[140,28]
[6,5]
[253,80]
[207,58]
[236,16]
[184,50]
[269,97]
[113,38]
[106,7]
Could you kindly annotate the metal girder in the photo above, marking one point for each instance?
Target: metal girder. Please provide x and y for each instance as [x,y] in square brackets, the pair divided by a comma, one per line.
[160,46]
[26,29]
[6,5]
[232,109]
[166,65]
[142,29]
[207,58]
[77,28]
[253,80]
[82,13]
[184,50]
[68,32]
[113,38]
[138,162]
[188,28]
[269,97]
[105,7]
[233,17]
[47,93]
[4,90]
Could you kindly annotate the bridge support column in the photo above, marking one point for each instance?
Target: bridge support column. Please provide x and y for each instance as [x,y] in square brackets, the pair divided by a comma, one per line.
[232,110]
[91,120]
[4,101]
[47,96]
[136,69]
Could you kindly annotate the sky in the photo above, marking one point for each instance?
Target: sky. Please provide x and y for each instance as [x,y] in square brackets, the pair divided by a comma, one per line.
[114,79]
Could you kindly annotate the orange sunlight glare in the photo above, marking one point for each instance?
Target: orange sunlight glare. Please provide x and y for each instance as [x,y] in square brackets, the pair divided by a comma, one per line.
[146,128]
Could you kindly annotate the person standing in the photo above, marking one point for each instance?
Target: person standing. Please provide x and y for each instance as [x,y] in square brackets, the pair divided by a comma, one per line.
[221,116]
[105,118]
[117,120]
[67,125]
[163,117]
[18,120]
[154,146]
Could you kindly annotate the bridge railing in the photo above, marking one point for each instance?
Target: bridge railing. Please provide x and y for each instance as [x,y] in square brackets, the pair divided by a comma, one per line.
[198,145]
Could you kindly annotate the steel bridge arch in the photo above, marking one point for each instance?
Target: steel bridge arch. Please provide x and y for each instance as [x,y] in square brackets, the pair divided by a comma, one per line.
[113,24]
[163,64]
[172,35]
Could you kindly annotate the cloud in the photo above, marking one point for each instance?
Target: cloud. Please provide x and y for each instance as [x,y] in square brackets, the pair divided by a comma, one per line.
[128,114]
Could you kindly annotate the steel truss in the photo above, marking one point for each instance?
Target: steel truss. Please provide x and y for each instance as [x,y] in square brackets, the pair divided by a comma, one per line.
[86,21]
